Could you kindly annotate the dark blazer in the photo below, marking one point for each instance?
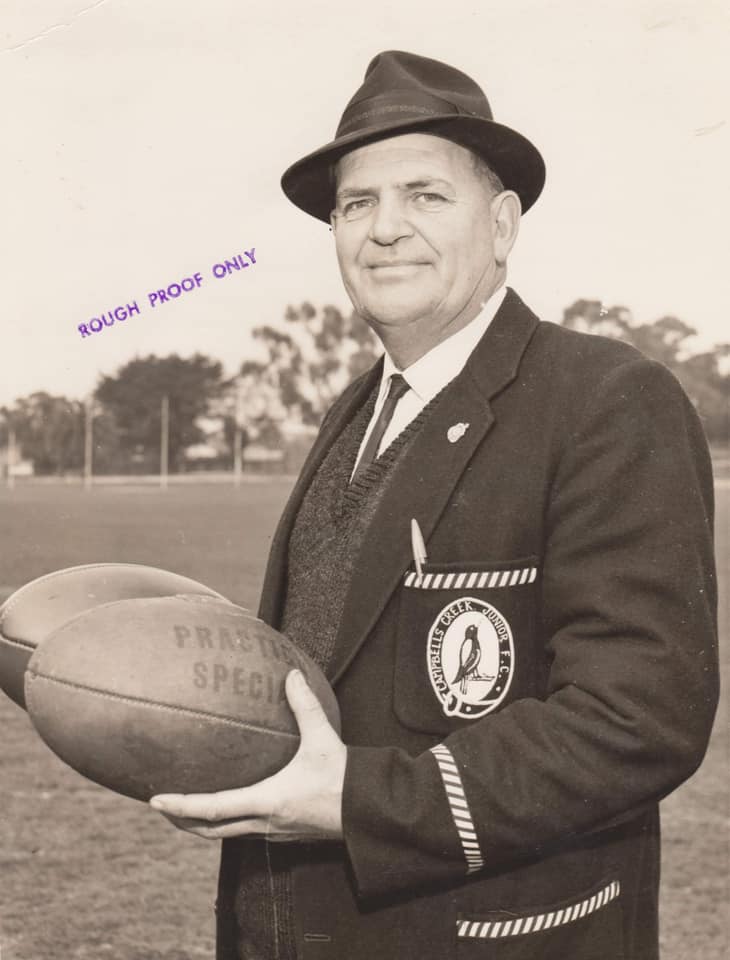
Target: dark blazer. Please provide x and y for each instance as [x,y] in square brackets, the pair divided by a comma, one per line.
[563,487]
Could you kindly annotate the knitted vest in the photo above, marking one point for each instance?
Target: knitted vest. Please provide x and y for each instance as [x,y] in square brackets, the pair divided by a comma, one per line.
[323,547]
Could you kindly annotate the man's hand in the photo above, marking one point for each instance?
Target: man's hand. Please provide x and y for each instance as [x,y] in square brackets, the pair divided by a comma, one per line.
[303,801]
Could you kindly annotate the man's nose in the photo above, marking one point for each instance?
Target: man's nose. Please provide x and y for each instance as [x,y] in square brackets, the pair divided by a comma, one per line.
[389,222]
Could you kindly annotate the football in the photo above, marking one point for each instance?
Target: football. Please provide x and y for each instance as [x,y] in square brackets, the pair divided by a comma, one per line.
[33,611]
[169,695]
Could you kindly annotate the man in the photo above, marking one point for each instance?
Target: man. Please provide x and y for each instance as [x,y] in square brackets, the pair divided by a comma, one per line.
[523,680]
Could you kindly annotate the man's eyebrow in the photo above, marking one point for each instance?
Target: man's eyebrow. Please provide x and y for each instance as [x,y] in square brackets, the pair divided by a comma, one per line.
[355,192]
[421,184]
[427,182]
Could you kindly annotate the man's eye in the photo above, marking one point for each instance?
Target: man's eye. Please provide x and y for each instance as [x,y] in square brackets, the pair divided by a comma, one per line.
[429,199]
[352,206]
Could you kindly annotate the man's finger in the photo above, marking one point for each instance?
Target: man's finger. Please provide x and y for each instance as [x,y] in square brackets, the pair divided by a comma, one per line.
[255,827]
[254,801]
[237,829]
[193,825]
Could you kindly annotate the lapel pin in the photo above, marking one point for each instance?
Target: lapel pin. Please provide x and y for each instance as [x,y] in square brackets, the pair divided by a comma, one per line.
[456,432]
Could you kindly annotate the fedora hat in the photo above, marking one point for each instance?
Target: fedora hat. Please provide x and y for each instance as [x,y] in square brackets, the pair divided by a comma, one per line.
[406,93]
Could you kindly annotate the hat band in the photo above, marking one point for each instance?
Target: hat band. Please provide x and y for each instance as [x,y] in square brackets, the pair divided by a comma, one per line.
[399,105]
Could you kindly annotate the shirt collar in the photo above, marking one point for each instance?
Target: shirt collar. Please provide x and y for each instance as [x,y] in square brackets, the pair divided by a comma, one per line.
[430,374]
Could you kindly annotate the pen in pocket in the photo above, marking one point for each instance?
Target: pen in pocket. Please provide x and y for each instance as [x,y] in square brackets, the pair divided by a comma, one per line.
[419,548]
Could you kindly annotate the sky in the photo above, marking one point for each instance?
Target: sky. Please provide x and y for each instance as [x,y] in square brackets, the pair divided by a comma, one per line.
[144,142]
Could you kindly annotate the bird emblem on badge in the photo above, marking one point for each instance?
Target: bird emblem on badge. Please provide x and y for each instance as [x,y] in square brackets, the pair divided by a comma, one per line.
[469,657]
[456,432]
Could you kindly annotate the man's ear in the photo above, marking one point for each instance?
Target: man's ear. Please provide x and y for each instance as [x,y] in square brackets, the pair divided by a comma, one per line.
[332,173]
[506,212]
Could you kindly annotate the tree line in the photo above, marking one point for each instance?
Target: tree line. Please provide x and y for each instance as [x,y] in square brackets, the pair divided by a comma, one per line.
[306,362]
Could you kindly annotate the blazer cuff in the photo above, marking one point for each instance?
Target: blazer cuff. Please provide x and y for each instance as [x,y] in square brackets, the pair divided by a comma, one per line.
[398,824]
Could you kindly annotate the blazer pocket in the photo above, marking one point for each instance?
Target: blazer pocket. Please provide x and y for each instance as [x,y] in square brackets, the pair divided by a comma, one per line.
[465,642]
[588,927]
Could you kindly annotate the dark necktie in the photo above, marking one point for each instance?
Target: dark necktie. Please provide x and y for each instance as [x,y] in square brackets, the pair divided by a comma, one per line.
[398,387]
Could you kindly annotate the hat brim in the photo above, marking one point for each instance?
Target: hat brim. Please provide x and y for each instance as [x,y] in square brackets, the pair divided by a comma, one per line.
[516,161]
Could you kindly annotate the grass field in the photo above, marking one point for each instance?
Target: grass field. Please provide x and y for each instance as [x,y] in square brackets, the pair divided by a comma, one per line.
[87,874]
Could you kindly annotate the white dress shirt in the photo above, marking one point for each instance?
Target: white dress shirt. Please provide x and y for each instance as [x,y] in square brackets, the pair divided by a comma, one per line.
[430,374]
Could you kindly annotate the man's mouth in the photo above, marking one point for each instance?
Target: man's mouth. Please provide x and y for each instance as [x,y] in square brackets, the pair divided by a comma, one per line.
[396,264]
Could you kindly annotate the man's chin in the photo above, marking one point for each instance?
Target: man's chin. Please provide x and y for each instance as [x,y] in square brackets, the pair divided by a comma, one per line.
[396,311]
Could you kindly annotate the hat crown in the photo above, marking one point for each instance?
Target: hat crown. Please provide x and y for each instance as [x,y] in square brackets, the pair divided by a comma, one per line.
[406,85]
[405,93]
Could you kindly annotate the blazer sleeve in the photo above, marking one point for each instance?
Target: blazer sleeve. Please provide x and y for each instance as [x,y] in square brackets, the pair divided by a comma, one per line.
[629,612]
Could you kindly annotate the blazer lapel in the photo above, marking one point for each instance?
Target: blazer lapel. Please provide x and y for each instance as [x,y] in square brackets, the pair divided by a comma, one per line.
[272,593]
[424,478]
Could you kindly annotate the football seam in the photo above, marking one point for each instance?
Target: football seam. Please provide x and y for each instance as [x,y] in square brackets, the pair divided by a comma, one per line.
[13,641]
[157,705]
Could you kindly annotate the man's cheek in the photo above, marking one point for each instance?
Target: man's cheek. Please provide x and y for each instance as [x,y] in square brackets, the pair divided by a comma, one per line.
[345,257]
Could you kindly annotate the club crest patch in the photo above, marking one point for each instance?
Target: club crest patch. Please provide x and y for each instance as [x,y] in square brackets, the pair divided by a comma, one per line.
[470,658]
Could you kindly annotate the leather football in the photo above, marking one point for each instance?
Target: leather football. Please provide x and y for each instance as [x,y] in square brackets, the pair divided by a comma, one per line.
[38,608]
[169,695]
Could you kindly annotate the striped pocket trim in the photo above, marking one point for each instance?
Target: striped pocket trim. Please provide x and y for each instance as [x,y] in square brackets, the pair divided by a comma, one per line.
[471,581]
[495,929]
[459,807]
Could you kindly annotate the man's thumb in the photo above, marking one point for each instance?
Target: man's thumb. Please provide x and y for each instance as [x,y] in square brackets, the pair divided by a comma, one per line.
[305,706]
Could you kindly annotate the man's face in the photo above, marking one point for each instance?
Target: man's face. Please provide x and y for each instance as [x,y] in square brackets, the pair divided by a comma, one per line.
[414,233]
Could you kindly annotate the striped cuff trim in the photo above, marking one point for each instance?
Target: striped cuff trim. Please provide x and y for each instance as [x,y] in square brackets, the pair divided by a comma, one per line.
[470,581]
[496,929]
[459,807]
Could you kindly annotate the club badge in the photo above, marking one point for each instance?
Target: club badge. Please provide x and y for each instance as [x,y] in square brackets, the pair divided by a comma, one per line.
[470,658]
